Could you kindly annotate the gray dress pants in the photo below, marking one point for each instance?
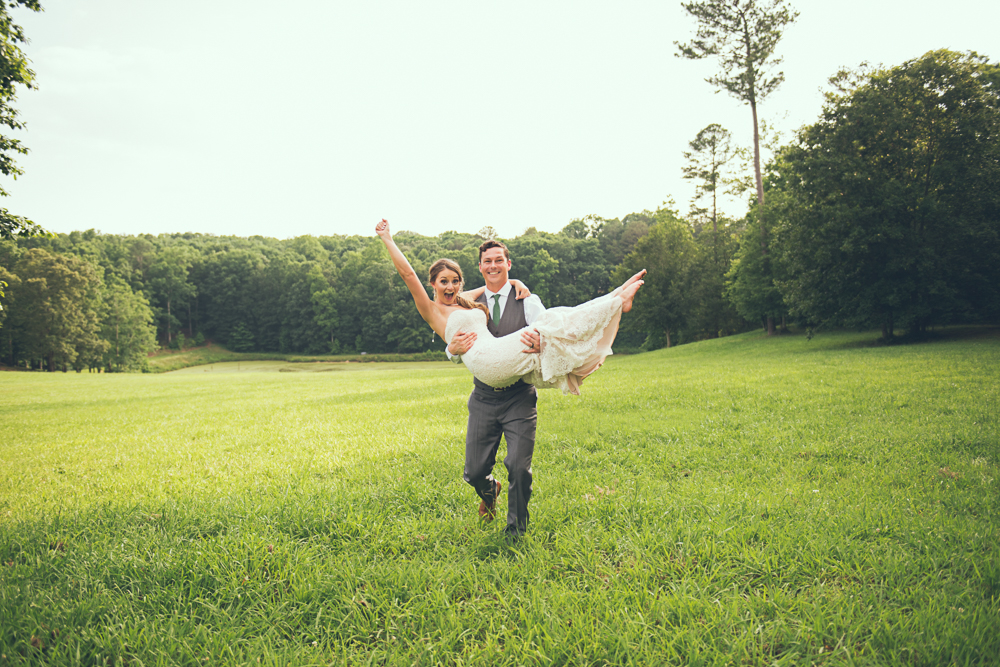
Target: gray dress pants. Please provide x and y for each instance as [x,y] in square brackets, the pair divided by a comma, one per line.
[512,414]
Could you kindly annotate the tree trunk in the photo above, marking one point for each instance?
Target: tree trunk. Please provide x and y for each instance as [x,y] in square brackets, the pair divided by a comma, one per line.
[887,327]
[756,156]
[668,337]
[760,195]
[169,339]
[715,210]
[784,325]
[52,364]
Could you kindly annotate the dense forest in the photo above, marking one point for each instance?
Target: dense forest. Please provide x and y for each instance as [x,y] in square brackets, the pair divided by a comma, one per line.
[885,214]
[93,300]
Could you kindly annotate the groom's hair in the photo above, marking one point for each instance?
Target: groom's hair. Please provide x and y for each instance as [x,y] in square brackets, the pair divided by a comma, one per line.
[490,243]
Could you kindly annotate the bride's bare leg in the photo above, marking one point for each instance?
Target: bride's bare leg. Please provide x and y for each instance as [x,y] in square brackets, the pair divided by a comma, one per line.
[628,293]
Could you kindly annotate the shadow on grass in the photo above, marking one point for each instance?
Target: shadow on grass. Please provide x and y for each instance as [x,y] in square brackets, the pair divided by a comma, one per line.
[949,334]
[964,332]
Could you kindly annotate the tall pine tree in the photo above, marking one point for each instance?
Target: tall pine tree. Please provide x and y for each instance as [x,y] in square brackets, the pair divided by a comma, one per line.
[743,35]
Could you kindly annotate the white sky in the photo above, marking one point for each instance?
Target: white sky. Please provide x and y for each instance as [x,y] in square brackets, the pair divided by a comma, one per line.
[321,117]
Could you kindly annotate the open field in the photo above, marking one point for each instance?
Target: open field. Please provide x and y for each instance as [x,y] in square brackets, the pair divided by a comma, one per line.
[737,501]
[310,367]
[171,360]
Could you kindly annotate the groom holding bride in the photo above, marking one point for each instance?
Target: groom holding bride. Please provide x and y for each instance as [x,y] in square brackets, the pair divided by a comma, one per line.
[511,411]
[557,348]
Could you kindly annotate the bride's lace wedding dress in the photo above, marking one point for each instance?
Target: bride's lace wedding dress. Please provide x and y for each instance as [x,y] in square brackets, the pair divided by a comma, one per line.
[574,343]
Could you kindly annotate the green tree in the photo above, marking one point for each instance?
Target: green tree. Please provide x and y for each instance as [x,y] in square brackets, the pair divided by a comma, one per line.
[327,308]
[743,35]
[14,71]
[127,327]
[710,151]
[55,310]
[570,266]
[231,282]
[663,307]
[893,215]
[141,254]
[308,247]
[712,313]
[617,238]
[289,308]
[240,338]
[750,280]
[169,281]
[577,229]
[544,269]
[325,305]
[6,279]
[376,307]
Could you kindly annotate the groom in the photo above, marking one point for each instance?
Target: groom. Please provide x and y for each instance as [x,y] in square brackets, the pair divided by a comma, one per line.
[509,412]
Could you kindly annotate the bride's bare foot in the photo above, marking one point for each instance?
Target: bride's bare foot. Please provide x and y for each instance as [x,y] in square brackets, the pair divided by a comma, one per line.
[633,278]
[628,292]
[618,290]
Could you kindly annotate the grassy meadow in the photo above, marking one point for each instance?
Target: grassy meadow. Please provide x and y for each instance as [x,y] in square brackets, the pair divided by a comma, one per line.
[167,360]
[738,501]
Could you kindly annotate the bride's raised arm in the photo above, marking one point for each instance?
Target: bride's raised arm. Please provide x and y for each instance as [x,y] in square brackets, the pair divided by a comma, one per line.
[431,313]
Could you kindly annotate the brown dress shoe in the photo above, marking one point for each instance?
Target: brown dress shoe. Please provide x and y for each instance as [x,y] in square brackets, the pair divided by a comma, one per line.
[488,511]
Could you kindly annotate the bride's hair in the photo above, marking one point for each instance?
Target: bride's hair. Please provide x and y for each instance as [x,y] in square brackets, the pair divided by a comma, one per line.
[447,264]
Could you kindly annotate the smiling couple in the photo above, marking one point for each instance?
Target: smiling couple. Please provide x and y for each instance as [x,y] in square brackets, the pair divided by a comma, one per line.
[557,347]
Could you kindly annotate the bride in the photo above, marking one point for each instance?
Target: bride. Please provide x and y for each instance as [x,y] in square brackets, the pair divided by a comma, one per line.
[574,341]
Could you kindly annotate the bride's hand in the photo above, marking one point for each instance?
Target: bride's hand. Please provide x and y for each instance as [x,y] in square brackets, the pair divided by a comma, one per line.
[382,229]
[521,290]
[532,341]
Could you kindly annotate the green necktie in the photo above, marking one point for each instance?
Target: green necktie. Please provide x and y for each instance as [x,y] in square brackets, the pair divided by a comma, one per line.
[496,309]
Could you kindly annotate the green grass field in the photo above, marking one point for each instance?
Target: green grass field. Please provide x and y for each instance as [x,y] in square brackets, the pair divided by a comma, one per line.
[165,361]
[738,501]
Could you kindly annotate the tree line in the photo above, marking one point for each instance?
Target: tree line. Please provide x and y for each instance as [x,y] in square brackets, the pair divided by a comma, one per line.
[92,300]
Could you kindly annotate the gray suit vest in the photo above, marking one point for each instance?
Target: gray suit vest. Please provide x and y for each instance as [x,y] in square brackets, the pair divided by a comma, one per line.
[512,319]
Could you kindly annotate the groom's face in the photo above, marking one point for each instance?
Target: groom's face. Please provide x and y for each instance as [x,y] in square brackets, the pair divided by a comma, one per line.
[494,267]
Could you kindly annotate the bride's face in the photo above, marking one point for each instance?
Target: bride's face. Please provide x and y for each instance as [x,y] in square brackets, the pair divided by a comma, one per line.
[447,286]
